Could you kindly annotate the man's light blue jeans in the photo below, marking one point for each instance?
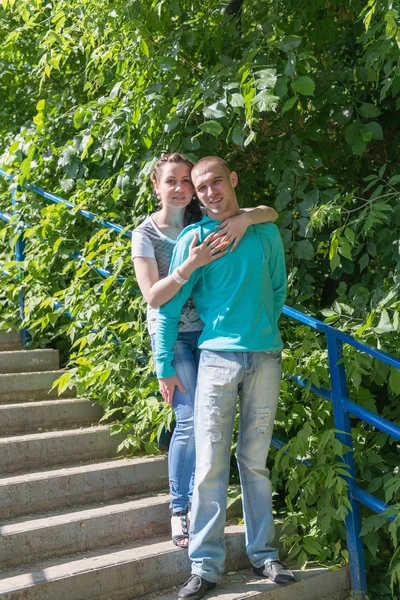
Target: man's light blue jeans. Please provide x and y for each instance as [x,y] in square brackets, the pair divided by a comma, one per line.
[181,455]
[223,376]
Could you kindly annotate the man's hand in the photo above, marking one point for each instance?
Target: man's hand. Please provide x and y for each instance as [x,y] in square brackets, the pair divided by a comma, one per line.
[167,388]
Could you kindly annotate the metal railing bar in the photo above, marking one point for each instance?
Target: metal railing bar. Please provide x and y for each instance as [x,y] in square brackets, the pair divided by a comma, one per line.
[59,200]
[323,392]
[353,408]
[342,422]
[19,252]
[108,336]
[340,335]
[371,502]
[5,216]
[76,255]
[279,443]
[103,272]
[85,213]
[371,418]
[6,175]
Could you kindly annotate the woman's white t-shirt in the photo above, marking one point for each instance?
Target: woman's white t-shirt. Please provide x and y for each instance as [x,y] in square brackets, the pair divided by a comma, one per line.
[149,242]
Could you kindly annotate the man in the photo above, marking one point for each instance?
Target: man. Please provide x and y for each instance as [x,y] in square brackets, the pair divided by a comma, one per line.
[239,298]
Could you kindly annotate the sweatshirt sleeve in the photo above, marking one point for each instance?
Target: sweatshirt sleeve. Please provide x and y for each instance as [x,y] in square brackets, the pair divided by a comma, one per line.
[277,269]
[169,314]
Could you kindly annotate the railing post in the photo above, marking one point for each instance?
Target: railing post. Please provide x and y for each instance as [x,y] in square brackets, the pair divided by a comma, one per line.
[19,251]
[342,424]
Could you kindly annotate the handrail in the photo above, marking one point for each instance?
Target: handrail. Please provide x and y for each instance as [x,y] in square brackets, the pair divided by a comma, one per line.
[342,406]
[357,411]
[340,335]
[4,216]
[58,200]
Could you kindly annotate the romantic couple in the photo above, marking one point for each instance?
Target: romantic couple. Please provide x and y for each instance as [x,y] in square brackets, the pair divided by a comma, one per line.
[214,279]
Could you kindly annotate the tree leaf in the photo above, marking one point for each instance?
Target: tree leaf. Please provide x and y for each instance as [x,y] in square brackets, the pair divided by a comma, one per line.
[289,104]
[215,111]
[312,546]
[304,250]
[264,100]
[79,117]
[249,139]
[376,129]
[266,77]
[283,199]
[359,146]
[369,110]
[290,42]
[144,47]
[281,87]
[237,136]
[290,67]
[394,380]
[303,85]
[171,124]
[212,127]
[236,100]
[349,233]
[385,324]
[352,132]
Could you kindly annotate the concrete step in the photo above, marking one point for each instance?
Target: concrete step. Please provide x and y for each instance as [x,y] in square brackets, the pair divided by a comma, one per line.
[48,414]
[23,453]
[22,387]
[61,533]
[26,361]
[122,573]
[317,583]
[10,340]
[77,485]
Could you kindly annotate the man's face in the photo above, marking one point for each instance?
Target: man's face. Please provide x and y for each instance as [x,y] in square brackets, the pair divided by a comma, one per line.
[215,188]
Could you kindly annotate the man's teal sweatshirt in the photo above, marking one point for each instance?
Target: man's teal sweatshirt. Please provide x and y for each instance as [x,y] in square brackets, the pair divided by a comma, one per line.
[239,297]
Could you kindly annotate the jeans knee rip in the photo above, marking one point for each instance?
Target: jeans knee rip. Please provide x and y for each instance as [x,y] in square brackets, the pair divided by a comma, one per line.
[263,420]
[215,424]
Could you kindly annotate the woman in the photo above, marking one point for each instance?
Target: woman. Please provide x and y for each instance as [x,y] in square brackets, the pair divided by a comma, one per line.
[152,246]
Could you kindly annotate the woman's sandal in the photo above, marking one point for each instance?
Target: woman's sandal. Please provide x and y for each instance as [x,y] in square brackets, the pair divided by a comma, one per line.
[180,528]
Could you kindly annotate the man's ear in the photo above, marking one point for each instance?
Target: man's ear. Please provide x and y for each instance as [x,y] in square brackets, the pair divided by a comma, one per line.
[234,179]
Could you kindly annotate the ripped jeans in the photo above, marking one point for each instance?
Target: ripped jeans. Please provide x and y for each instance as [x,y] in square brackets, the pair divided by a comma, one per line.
[223,376]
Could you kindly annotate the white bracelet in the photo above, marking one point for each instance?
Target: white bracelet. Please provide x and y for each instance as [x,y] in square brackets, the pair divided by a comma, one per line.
[178,278]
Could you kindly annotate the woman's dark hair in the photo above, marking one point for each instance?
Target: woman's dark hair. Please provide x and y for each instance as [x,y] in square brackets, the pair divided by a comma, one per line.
[193,212]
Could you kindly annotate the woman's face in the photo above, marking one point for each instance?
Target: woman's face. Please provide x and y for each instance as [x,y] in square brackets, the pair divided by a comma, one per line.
[174,185]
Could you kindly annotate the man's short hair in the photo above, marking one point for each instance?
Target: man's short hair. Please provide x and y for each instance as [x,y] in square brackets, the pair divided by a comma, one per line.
[205,162]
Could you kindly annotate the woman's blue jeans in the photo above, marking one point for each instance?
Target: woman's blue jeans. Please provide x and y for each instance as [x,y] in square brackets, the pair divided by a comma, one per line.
[181,455]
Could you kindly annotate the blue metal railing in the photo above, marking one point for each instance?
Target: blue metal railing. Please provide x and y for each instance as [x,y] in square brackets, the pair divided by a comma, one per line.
[343,408]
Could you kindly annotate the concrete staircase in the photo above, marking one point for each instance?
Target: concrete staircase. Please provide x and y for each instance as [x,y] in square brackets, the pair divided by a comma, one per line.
[77,523]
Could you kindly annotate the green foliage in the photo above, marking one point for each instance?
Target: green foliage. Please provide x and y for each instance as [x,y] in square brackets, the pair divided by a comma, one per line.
[302,100]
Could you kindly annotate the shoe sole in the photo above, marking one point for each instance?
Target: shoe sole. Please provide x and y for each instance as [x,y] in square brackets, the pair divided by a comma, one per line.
[285,582]
[211,587]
